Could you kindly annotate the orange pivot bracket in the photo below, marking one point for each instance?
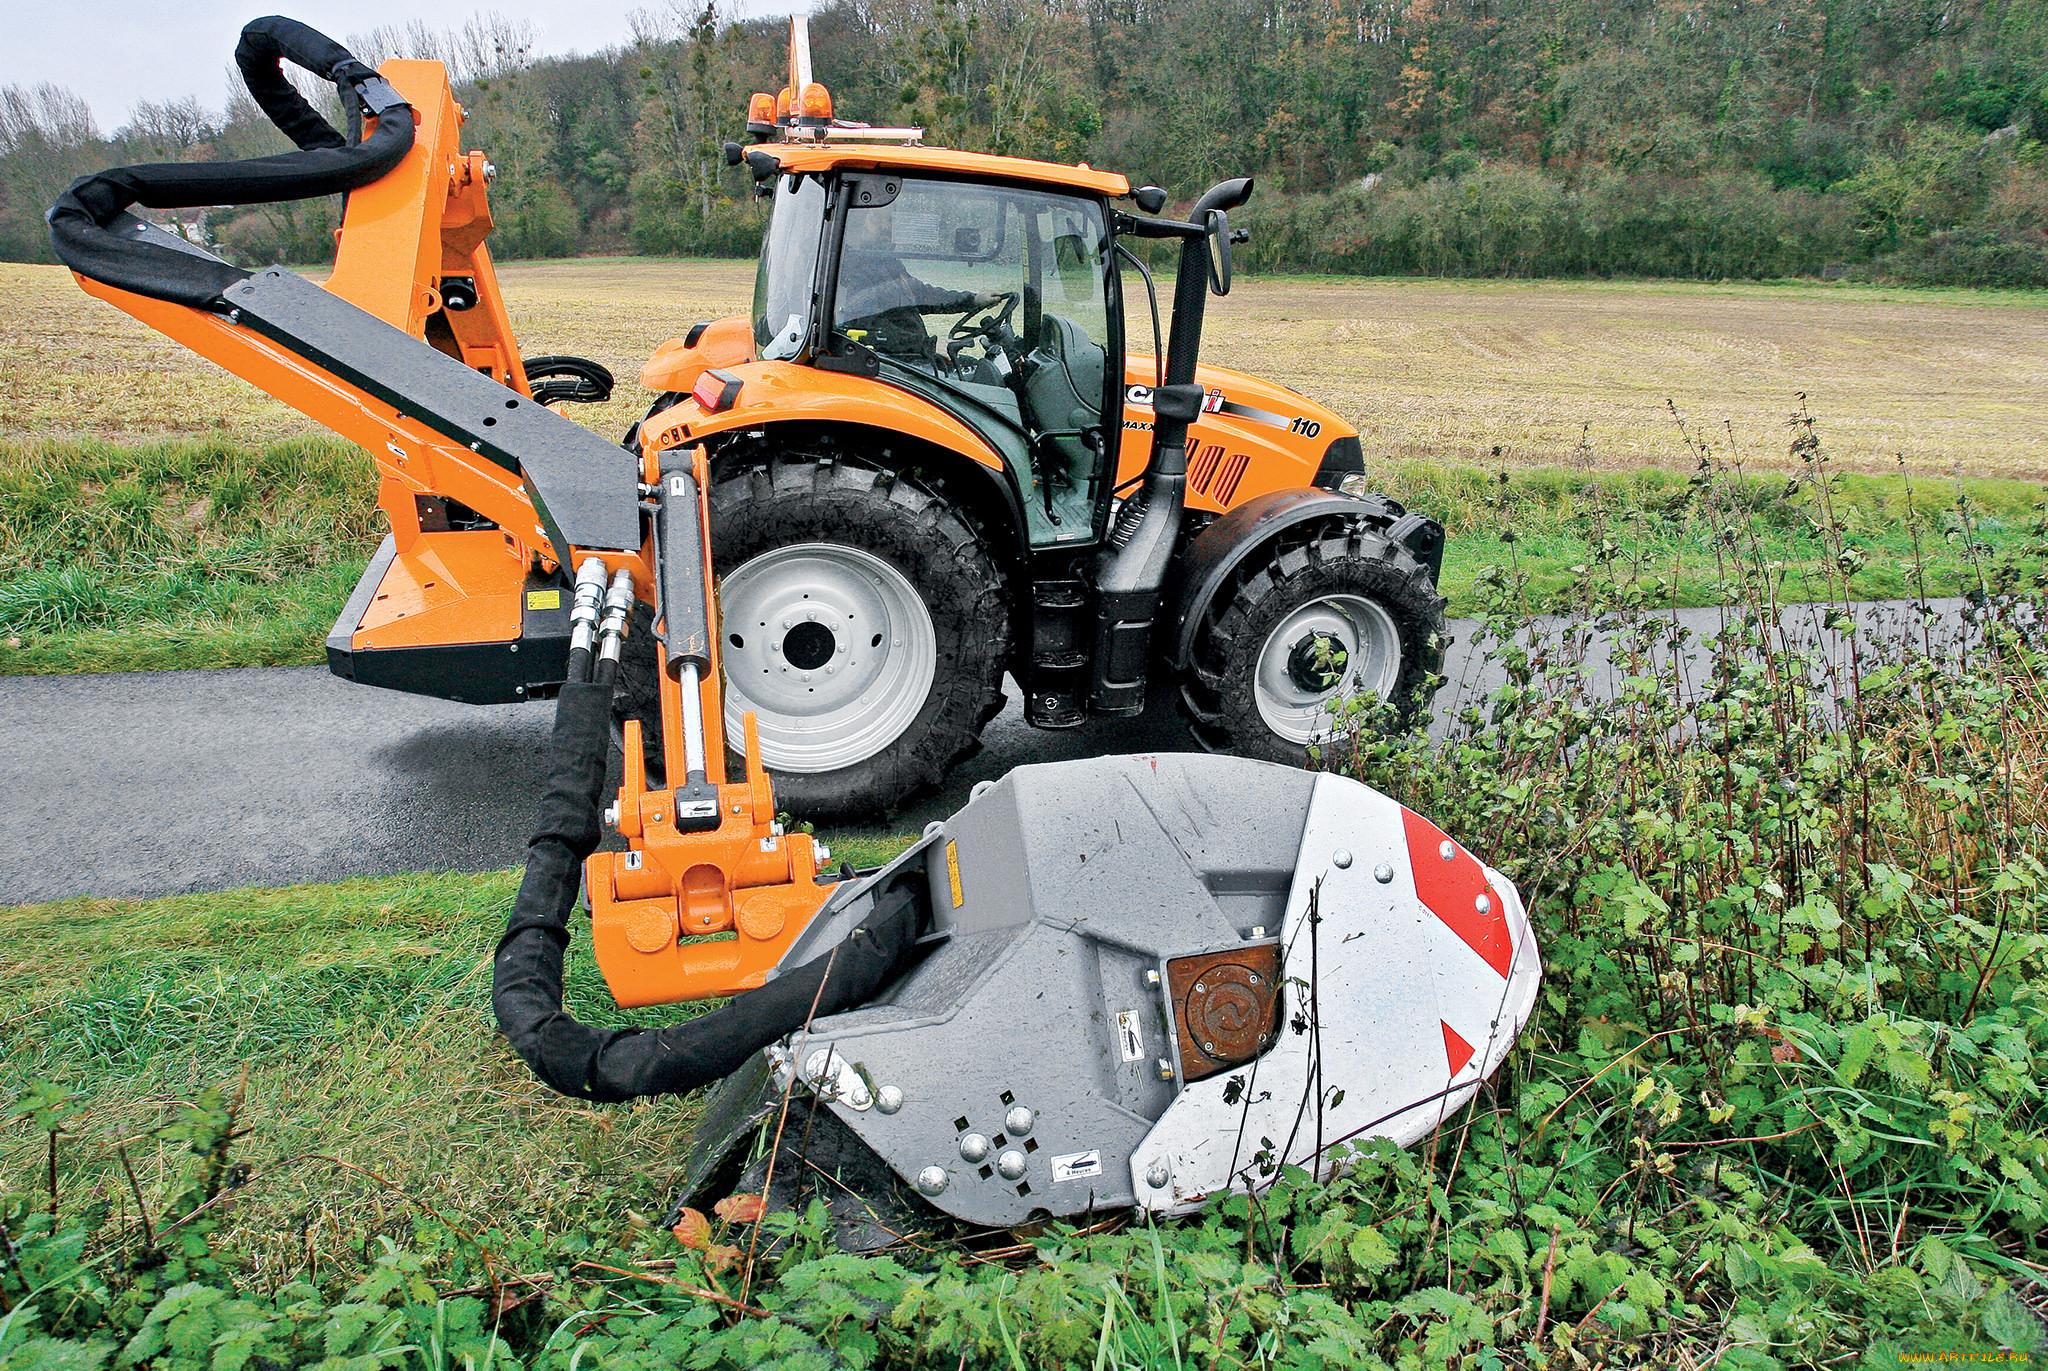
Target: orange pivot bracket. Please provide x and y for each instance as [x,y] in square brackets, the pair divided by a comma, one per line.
[699,906]
[692,915]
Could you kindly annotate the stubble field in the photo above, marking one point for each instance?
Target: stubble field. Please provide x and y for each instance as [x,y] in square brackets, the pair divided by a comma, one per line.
[1514,373]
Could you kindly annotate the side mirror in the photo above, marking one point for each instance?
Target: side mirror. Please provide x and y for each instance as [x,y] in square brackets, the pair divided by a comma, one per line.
[1219,258]
[1151,199]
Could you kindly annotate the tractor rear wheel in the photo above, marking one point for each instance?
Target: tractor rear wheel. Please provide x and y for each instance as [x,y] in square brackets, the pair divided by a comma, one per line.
[863,622]
[1309,624]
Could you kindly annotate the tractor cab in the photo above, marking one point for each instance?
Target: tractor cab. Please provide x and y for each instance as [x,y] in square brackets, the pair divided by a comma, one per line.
[998,303]
[936,463]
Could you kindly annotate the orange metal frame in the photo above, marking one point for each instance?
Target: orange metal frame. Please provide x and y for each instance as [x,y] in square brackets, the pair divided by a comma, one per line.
[739,893]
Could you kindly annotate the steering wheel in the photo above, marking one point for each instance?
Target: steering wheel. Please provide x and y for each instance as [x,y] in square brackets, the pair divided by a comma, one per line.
[967,326]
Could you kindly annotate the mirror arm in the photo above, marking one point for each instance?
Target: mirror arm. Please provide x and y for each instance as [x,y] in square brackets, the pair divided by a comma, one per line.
[1145,226]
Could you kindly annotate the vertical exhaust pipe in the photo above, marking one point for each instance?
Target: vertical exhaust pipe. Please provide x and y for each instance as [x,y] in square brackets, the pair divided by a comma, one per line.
[1131,571]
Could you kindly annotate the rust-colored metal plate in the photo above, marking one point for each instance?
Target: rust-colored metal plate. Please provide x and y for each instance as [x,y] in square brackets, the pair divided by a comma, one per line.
[1226,1006]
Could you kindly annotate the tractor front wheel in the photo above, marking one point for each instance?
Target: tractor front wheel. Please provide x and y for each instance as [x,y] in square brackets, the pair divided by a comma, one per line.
[1313,622]
[862,622]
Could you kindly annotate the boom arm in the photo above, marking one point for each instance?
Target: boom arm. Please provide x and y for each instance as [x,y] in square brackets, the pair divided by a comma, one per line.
[409,351]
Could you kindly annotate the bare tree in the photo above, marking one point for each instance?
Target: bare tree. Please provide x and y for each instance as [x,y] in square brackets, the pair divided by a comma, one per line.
[44,115]
[491,45]
[487,47]
[47,137]
[167,129]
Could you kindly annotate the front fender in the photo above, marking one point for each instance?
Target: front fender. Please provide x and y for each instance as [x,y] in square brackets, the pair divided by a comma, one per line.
[1225,546]
[781,392]
[776,393]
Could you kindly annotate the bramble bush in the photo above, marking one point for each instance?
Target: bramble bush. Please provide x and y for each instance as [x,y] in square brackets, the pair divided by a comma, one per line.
[1780,1104]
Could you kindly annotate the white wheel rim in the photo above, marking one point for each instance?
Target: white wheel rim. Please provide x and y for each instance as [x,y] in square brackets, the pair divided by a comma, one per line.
[823,703]
[1357,630]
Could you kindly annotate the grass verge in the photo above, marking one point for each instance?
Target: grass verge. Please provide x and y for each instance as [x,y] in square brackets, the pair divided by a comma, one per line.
[181,553]
[1783,1104]
[354,1018]
[208,554]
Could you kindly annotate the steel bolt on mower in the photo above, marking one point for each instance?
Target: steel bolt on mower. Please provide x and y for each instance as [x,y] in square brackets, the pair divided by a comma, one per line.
[1121,983]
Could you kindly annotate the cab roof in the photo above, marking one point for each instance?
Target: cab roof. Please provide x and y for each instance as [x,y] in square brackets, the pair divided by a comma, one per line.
[827,156]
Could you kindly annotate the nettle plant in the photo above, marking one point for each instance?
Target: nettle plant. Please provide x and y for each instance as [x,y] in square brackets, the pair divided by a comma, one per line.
[1789,870]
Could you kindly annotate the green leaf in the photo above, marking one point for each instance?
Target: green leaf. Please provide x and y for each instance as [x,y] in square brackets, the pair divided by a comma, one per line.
[2010,1324]
[1370,1252]
[1855,1054]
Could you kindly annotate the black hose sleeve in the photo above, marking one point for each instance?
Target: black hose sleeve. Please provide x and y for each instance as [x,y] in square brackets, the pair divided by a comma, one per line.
[259,56]
[608,1066]
[82,222]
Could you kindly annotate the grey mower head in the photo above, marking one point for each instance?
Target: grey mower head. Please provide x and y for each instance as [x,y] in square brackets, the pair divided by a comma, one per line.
[1150,980]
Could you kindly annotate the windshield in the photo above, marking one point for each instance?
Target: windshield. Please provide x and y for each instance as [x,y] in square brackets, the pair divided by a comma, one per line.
[1002,295]
[783,286]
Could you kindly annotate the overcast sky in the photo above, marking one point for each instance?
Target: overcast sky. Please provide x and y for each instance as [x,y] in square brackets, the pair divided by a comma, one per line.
[115,52]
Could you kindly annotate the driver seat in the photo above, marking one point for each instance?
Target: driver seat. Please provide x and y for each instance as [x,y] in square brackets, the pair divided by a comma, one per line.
[1064,389]
[1062,397]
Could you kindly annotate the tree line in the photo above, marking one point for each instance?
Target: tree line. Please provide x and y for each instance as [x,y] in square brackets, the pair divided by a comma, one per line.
[1890,139]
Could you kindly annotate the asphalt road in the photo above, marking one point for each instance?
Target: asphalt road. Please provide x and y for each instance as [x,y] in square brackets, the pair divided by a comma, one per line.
[153,783]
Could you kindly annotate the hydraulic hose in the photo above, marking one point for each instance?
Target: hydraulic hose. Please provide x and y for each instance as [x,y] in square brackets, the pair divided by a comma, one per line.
[610,1065]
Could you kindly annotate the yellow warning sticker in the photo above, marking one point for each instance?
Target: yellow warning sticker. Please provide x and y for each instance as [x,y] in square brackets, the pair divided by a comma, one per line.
[543,599]
[953,872]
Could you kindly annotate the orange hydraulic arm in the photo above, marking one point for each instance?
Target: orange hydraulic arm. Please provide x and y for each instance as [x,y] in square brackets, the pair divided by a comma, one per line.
[692,877]
[401,237]
[706,900]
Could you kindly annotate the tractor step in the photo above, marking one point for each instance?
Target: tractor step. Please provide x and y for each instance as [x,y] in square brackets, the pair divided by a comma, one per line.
[1059,655]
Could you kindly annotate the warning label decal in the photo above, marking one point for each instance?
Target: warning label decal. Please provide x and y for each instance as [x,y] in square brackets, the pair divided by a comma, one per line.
[1129,1040]
[1077,1166]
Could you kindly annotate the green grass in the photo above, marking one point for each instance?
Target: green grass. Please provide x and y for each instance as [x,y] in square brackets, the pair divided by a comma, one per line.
[357,1015]
[179,553]
[1662,530]
[205,553]
[360,1012]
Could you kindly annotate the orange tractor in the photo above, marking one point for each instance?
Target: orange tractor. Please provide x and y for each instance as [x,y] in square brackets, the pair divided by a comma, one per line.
[925,458]
[932,454]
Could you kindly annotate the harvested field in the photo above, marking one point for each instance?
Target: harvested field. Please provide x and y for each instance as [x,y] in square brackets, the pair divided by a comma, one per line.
[1578,373]
[1522,373]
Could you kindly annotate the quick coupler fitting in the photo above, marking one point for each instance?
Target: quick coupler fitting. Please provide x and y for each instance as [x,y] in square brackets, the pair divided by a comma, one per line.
[590,583]
[618,608]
